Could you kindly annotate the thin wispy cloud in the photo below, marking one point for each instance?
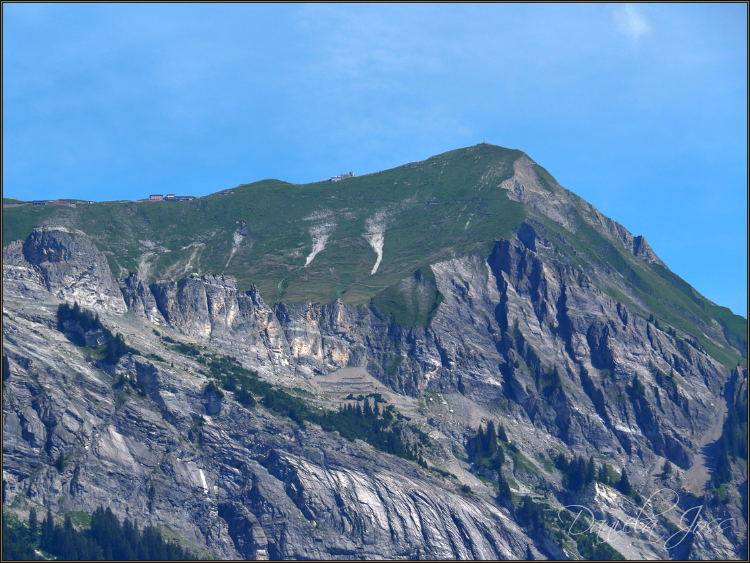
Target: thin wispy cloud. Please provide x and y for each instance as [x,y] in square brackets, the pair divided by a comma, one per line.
[631,22]
[109,101]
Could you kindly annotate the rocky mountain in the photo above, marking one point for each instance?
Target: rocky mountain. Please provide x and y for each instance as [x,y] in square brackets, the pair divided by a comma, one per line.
[464,290]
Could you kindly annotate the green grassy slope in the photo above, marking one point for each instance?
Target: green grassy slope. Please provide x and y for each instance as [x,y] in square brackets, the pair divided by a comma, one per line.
[411,302]
[446,206]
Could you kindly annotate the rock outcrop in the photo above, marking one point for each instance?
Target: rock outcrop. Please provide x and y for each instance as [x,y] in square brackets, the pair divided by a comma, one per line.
[540,191]
[521,319]
[259,487]
[521,336]
[68,264]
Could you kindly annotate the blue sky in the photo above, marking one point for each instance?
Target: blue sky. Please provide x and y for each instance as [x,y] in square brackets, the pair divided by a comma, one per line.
[639,109]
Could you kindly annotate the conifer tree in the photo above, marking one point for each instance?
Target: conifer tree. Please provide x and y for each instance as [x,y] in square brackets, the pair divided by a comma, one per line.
[624,484]
[590,470]
[367,411]
[491,439]
[501,433]
[667,468]
[33,525]
[503,490]
[603,477]
[527,510]
[480,442]
[499,459]
[723,472]
[576,473]
[48,528]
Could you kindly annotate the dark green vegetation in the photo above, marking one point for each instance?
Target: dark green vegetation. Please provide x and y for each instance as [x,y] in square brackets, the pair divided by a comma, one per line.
[411,302]
[75,322]
[446,206]
[666,469]
[578,473]
[637,389]
[376,396]
[381,428]
[17,542]
[541,520]
[105,539]
[733,441]
[486,450]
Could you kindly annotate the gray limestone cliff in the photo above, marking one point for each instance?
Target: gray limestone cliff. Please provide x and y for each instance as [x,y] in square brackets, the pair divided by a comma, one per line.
[68,264]
[520,337]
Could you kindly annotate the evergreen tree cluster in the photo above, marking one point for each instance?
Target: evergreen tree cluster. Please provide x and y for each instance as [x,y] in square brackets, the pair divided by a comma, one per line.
[17,544]
[487,451]
[503,489]
[233,377]
[88,321]
[377,396]
[116,349]
[185,348]
[530,514]
[380,427]
[107,539]
[213,389]
[541,521]
[677,338]
[486,448]
[578,473]
[126,542]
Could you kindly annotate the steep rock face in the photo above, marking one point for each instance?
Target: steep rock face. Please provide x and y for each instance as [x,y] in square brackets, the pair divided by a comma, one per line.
[210,307]
[302,324]
[17,271]
[399,510]
[553,201]
[184,305]
[140,298]
[518,331]
[643,250]
[322,338]
[524,186]
[257,487]
[598,348]
[522,319]
[67,264]
[535,331]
